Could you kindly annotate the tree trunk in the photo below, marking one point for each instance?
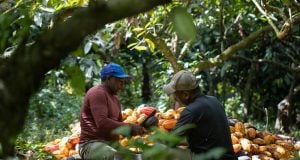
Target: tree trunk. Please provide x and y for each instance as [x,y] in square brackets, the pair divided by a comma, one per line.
[146,91]
[211,84]
[247,92]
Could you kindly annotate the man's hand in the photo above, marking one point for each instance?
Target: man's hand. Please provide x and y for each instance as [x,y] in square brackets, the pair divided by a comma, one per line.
[137,130]
[151,121]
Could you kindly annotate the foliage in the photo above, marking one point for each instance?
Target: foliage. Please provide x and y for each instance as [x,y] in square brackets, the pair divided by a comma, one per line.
[158,145]
[52,111]
[35,148]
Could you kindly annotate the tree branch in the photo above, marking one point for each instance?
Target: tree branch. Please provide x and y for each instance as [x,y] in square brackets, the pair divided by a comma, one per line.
[275,64]
[266,15]
[227,53]
[184,49]
[271,8]
[161,45]
[231,50]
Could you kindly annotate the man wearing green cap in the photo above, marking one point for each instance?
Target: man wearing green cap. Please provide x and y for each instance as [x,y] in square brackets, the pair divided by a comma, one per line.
[101,114]
[204,112]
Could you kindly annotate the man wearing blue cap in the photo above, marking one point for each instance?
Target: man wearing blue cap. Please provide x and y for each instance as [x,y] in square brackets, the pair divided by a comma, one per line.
[101,114]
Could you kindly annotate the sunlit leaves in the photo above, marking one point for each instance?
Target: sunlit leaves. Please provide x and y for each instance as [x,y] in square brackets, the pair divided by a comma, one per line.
[87,47]
[183,24]
[151,44]
[140,48]
[138,29]
[78,53]
[58,4]
[5,33]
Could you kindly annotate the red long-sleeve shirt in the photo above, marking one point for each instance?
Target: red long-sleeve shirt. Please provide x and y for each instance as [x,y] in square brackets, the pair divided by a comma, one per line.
[100,114]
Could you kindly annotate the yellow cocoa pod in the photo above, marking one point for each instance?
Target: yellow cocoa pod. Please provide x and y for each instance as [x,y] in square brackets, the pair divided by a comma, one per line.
[234,139]
[236,147]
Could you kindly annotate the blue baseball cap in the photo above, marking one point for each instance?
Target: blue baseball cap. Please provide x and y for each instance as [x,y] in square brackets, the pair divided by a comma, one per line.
[113,70]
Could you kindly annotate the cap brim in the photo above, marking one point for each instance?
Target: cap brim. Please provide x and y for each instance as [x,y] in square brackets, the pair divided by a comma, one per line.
[168,89]
[123,76]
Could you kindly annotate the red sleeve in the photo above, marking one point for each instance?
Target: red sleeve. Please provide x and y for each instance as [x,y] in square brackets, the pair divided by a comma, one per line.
[99,109]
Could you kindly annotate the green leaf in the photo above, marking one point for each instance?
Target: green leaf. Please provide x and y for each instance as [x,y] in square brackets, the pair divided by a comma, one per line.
[77,79]
[214,153]
[140,48]
[286,1]
[131,45]
[142,33]
[87,47]
[138,29]
[123,130]
[183,128]
[183,24]
[78,52]
[151,44]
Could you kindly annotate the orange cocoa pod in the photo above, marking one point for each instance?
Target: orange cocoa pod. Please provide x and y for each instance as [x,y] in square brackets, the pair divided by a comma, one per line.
[124,142]
[163,129]
[261,134]
[267,153]
[130,119]
[180,109]
[176,115]
[246,144]
[169,124]
[255,148]
[280,150]
[251,133]
[72,152]
[234,139]
[262,149]
[56,141]
[141,118]
[69,145]
[167,115]
[128,111]
[286,145]
[65,151]
[124,116]
[52,147]
[265,157]
[269,139]
[239,127]
[161,121]
[232,129]
[59,156]
[238,134]
[74,140]
[297,146]
[259,141]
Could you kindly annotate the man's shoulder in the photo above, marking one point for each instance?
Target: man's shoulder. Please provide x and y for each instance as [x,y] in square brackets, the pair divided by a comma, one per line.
[206,98]
[201,102]
[96,89]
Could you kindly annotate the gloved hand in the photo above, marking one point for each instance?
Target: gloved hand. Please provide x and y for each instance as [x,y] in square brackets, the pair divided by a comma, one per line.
[137,130]
[151,121]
